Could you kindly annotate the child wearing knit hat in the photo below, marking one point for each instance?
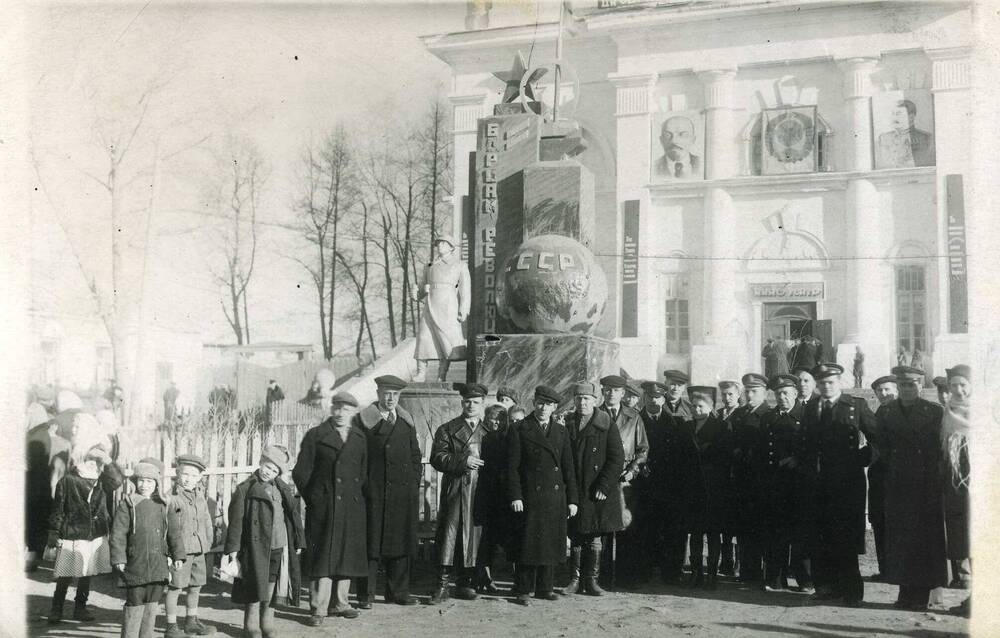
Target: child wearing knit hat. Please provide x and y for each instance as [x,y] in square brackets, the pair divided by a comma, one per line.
[264,508]
[146,543]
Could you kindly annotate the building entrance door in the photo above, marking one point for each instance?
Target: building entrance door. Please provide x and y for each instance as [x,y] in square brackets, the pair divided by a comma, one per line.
[786,321]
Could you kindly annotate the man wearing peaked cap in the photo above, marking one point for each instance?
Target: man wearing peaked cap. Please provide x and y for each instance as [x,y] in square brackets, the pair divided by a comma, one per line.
[885,391]
[456,454]
[908,435]
[599,456]
[345,398]
[395,470]
[747,509]
[837,426]
[785,485]
[633,395]
[943,391]
[677,402]
[542,491]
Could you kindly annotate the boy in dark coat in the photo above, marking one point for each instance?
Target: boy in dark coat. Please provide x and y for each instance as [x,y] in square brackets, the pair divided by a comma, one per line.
[331,472]
[146,543]
[263,523]
[598,457]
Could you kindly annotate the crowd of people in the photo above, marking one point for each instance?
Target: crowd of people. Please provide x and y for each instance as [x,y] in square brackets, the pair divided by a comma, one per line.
[632,480]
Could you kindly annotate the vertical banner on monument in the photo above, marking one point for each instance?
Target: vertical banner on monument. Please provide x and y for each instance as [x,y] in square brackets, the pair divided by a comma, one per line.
[958,283]
[505,145]
[630,269]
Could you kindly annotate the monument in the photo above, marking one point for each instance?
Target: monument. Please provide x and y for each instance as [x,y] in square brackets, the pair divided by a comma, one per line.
[538,293]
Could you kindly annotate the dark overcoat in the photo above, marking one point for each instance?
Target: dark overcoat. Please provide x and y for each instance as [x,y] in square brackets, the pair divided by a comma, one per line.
[331,474]
[635,442]
[251,517]
[832,448]
[541,475]
[661,482]
[490,508]
[786,478]
[746,496]
[454,442]
[598,458]
[707,458]
[143,535]
[909,443]
[395,470]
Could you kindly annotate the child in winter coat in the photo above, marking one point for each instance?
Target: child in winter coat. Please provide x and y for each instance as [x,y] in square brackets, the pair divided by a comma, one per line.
[78,527]
[188,503]
[143,540]
[263,524]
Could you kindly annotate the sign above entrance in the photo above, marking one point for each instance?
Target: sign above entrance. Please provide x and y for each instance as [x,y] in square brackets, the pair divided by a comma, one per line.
[787,290]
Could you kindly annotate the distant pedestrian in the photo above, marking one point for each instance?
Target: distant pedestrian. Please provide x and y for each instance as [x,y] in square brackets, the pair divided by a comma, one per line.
[859,367]
[146,545]
[170,402]
[775,355]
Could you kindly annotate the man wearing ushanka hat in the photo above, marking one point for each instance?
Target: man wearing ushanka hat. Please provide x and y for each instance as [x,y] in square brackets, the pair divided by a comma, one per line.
[457,454]
[837,426]
[542,489]
[908,442]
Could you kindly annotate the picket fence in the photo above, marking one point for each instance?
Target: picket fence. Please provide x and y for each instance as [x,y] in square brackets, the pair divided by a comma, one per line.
[232,457]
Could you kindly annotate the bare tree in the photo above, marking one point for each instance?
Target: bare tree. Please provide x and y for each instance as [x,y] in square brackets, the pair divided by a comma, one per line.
[328,188]
[436,164]
[234,194]
[360,285]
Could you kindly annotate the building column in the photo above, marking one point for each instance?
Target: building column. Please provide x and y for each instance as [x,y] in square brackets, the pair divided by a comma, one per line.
[952,80]
[467,111]
[865,282]
[633,114]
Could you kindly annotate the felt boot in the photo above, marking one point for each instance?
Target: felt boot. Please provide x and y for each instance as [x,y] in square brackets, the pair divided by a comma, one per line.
[132,621]
[148,626]
[267,628]
[251,621]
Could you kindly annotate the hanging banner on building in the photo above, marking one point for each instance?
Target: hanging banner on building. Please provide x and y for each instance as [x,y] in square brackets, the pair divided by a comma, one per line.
[958,272]
[630,269]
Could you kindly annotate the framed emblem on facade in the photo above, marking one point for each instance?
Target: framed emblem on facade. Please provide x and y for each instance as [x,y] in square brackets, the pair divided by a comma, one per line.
[789,140]
[903,123]
[678,146]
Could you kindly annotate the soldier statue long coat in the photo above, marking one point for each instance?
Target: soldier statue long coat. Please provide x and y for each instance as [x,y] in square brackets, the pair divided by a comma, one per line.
[439,335]
[540,473]
[598,454]
[909,443]
[454,442]
[840,478]
[395,469]
[331,474]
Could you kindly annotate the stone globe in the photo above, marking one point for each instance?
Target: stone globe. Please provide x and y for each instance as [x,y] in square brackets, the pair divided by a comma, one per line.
[552,284]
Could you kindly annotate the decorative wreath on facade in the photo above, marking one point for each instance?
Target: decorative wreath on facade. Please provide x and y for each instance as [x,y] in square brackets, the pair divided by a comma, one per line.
[790,137]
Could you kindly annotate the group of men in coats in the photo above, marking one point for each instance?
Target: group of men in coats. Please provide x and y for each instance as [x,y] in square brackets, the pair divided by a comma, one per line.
[695,462]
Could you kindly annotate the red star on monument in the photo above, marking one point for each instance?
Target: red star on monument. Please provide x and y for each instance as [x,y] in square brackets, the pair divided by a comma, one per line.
[513,77]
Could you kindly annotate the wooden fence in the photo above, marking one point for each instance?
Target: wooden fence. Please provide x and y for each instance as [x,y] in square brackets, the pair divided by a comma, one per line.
[233,455]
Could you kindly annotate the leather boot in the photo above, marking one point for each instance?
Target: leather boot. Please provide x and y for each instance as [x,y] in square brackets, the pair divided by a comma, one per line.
[267,628]
[441,592]
[464,589]
[251,621]
[148,626]
[573,586]
[592,573]
[484,582]
[132,621]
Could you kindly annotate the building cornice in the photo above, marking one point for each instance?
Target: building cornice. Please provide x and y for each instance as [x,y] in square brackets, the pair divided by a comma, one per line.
[799,183]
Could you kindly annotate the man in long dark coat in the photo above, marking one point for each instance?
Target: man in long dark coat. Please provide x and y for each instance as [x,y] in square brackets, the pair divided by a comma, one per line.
[395,469]
[457,454]
[598,456]
[747,509]
[626,546]
[837,426]
[490,508]
[885,391]
[786,482]
[542,488]
[660,488]
[676,401]
[729,411]
[909,443]
[331,472]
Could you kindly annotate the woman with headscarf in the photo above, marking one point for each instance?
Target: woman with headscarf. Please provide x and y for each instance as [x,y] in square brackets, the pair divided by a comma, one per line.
[955,429]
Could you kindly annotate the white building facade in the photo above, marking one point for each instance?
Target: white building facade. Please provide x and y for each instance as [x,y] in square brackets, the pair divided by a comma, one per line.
[809,210]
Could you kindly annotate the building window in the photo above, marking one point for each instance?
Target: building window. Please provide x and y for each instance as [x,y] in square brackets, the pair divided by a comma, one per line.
[678,339]
[911,309]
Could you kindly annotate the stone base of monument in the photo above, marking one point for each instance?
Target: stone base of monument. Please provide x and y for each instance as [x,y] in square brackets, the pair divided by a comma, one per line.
[524,361]
[430,404]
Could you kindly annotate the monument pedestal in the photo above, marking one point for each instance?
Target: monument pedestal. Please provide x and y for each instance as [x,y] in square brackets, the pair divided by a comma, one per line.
[430,404]
[523,361]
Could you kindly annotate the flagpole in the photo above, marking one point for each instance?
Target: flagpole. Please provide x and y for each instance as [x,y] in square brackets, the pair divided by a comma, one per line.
[559,54]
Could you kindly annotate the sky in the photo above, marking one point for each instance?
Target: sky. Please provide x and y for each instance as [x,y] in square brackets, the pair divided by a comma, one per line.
[278,75]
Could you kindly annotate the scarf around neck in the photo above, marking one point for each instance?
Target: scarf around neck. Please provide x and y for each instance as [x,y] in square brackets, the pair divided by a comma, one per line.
[955,428]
